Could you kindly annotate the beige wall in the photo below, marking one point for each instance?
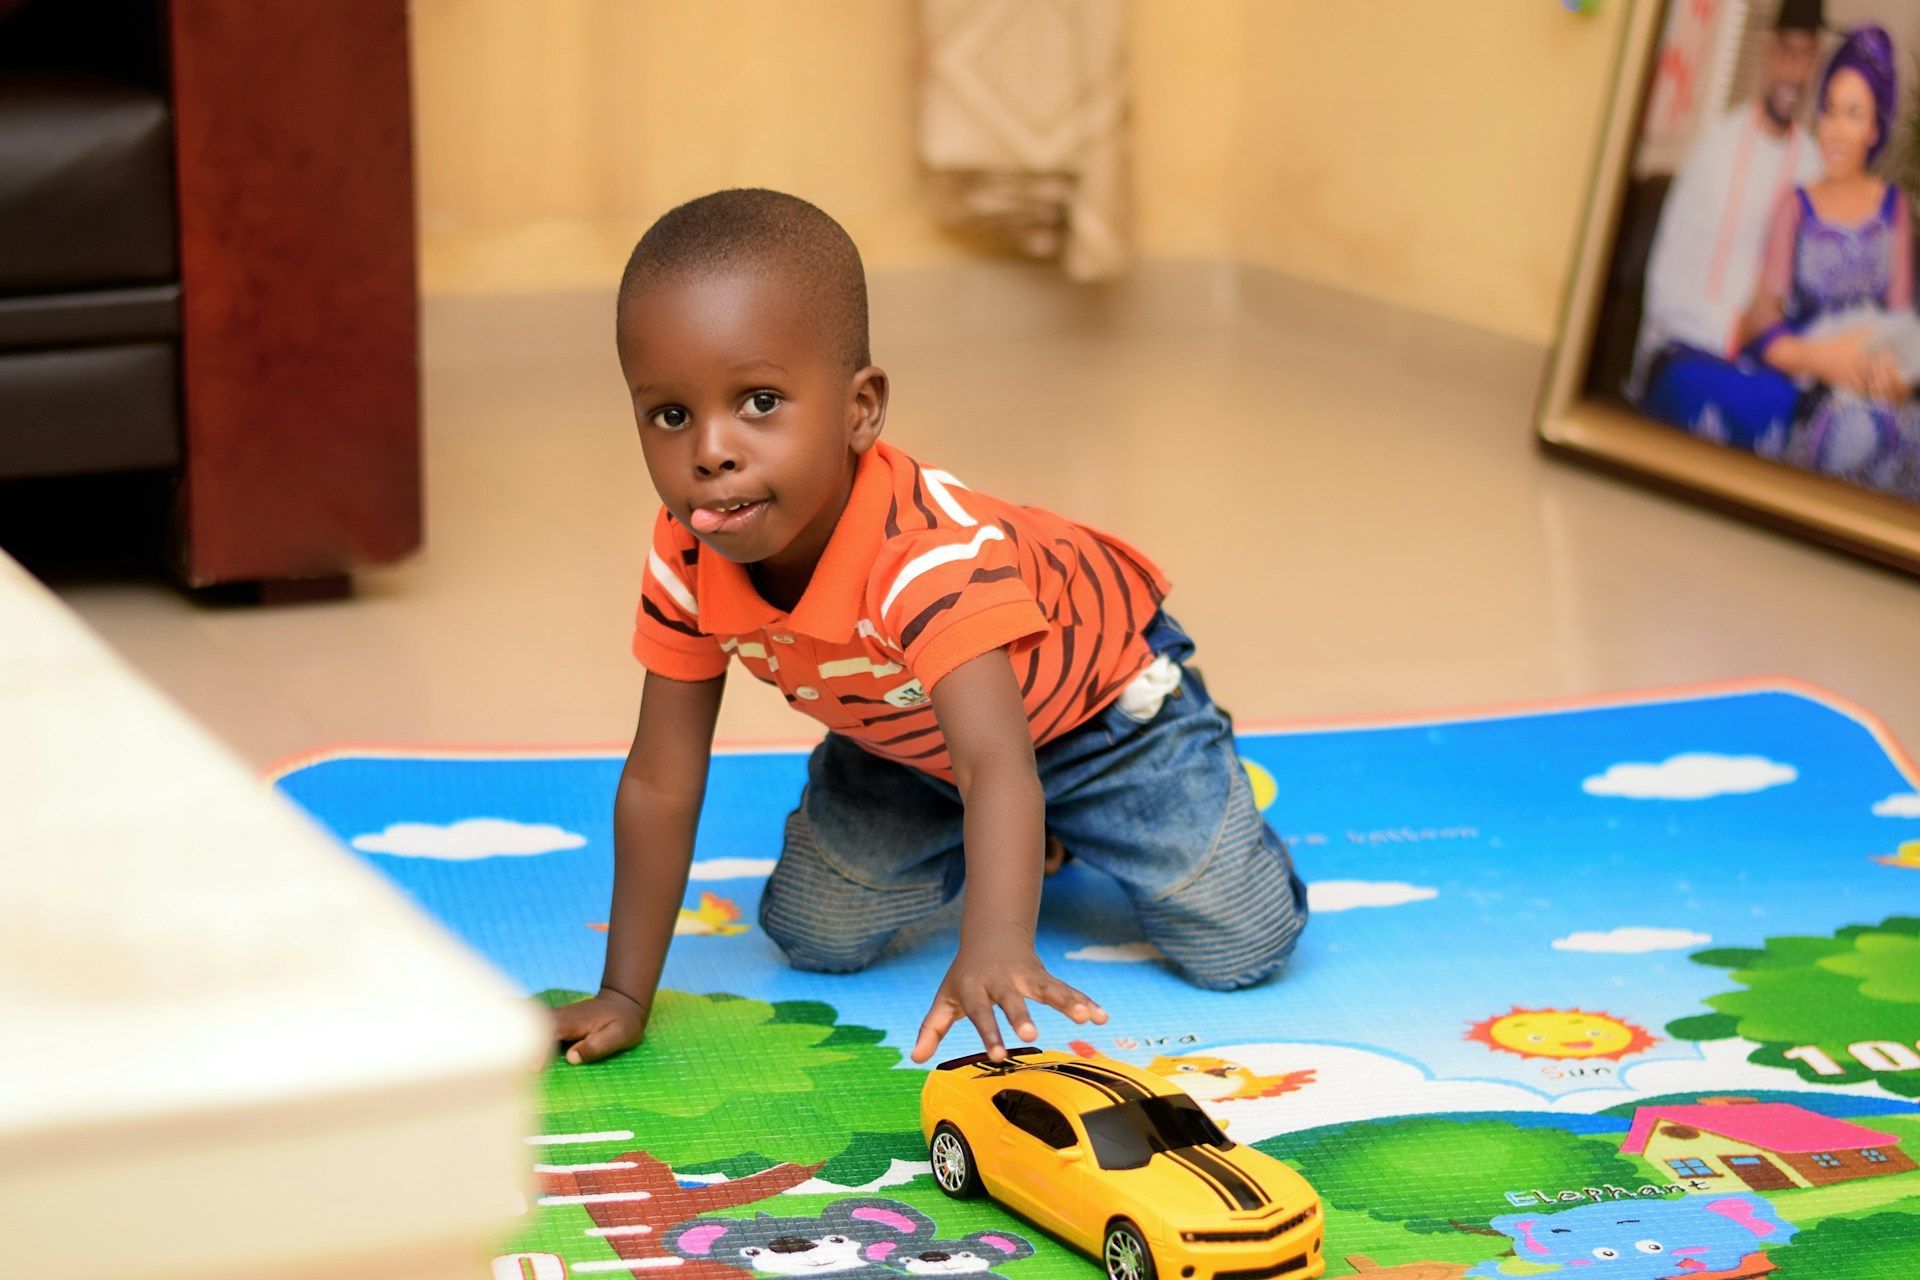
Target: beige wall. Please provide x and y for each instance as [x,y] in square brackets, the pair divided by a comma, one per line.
[1434,155]
[1437,155]
[551,132]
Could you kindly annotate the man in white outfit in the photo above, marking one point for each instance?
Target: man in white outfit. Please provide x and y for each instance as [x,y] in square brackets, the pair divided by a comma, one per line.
[1706,252]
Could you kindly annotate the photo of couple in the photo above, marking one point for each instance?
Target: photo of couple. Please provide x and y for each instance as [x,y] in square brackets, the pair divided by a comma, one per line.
[1761,294]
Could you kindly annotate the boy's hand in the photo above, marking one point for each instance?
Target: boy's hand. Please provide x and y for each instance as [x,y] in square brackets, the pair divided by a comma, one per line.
[599,1026]
[998,978]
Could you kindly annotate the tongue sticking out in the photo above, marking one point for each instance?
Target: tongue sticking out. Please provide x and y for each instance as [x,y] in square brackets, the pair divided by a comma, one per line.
[707,520]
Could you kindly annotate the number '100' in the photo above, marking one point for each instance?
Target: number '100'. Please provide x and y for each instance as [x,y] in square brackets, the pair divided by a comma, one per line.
[1874,1055]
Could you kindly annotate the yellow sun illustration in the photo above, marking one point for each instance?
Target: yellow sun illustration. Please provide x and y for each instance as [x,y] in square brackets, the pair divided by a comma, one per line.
[1560,1033]
[1265,789]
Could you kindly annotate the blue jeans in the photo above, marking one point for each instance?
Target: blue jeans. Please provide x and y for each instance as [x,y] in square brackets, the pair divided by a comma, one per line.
[1164,807]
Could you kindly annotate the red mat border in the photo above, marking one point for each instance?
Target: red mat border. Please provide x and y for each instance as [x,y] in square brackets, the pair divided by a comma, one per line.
[1383,720]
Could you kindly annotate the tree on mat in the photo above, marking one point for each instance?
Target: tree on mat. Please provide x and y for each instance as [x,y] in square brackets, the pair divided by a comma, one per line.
[1884,1245]
[1430,1173]
[1836,1010]
[638,1199]
[731,1085]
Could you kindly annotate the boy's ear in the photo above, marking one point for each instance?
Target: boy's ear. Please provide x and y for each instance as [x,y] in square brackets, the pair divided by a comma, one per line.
[868,410]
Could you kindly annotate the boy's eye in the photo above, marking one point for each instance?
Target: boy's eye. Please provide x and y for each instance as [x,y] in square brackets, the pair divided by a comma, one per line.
[673,417]
[761,403]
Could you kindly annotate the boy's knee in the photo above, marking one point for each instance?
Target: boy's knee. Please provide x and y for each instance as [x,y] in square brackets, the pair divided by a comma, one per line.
[798,933]
[813,948]
[1232,930]
[1242,961]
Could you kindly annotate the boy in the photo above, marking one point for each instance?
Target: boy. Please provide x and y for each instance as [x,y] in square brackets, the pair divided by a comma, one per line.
[987,671]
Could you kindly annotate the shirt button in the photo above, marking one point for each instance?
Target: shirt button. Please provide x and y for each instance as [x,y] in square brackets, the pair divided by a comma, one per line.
[806,692]
[773,664]
[780,637]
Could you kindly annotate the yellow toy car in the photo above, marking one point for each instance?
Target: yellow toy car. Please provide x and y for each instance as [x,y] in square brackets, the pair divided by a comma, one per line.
[1119,1163]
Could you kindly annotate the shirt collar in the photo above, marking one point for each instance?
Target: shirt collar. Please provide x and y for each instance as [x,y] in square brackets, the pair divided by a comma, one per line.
[731,605]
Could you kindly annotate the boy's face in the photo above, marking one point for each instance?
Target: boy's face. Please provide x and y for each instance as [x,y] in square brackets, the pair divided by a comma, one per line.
[749,418]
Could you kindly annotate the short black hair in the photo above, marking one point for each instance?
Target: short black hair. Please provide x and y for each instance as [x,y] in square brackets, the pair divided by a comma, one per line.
[756,229]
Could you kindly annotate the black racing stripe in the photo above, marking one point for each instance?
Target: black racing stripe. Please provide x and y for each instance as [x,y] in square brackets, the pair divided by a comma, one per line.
[653,611]
[1108,1079]
[1179,1158]
[911,632]
[1105,1090]
[1244,1189]
[893,517]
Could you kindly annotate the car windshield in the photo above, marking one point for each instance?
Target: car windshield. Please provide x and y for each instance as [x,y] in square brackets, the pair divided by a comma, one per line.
[1127,1135]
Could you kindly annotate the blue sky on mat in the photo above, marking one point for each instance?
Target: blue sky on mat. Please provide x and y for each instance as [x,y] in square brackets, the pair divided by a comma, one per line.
[1490,814]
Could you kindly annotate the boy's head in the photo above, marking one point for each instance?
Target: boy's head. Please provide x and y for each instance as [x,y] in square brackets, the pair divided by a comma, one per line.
[742,332]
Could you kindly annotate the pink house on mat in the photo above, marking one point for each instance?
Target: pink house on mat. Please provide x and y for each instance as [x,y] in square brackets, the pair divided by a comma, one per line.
[1768,1146]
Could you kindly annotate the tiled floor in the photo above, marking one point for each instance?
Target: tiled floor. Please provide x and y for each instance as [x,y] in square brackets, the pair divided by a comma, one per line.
[1348,534]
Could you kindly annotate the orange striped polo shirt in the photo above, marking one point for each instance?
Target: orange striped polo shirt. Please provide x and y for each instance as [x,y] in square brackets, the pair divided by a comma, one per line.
[920,575]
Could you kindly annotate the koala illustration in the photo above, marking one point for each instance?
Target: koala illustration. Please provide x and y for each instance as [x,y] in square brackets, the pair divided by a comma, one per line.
[976,1255]
[840,1242]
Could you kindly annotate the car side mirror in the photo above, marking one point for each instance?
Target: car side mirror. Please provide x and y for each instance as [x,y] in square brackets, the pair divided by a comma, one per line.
[1224,1125]
[1071,1155]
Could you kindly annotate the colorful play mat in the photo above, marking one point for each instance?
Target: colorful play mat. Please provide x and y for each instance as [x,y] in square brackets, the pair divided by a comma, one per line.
[1625,989]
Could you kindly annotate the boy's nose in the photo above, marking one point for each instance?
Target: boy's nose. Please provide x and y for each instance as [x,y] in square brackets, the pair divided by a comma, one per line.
[713,453]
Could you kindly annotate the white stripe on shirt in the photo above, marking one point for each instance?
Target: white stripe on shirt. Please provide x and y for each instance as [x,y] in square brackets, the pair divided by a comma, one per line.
[857,667]
[937,482]
[934,559]
[671,584]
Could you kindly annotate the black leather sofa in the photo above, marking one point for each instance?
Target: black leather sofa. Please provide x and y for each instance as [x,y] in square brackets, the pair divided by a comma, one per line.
[89,287]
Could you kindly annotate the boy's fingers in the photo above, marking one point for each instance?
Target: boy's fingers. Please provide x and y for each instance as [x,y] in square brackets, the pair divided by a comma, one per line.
[1076,1004]
[986,1021]
[594,1045]
[1017,1016]
[932,1029]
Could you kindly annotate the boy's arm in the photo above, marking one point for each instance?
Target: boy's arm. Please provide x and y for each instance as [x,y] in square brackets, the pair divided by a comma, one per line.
[984,721]
[655,810]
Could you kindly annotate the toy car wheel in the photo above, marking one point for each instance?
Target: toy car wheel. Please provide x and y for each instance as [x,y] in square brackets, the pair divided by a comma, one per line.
[953,1162]
[1125,1253]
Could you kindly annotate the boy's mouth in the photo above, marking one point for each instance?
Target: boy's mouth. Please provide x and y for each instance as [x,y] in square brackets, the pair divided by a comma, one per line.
[725,517]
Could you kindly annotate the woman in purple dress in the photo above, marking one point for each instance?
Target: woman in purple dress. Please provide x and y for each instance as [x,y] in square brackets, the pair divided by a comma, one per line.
[1835,307]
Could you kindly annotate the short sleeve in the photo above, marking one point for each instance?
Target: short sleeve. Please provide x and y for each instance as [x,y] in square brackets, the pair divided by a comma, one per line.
[947,596]
[666,631]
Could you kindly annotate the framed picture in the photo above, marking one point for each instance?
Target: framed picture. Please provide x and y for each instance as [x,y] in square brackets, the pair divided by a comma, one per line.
[1741,323]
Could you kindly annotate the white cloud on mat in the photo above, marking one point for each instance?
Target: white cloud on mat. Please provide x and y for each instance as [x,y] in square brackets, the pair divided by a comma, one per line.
[1629,939]
[1345,895]
[1692,775]
[1120,953]
[468,839]
[730,868]
[1901,804]
[1359,1084]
